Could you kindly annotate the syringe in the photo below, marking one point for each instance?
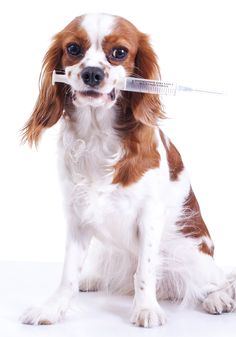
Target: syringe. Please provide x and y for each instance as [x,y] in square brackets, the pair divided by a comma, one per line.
[157,87]
[141,85]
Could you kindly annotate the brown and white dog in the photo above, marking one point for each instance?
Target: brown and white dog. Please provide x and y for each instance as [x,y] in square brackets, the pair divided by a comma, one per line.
[134,224]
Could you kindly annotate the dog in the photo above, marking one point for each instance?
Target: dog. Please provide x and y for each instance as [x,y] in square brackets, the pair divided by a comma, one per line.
[134,223]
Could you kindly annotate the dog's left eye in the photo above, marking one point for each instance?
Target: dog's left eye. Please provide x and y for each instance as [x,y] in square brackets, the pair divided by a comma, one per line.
[119,53]
[74,49]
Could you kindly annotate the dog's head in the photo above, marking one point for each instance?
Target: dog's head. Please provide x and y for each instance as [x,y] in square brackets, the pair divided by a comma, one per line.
[96,51]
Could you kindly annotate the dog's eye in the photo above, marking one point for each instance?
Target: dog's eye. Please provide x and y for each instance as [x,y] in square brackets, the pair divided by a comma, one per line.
[119,53]
[74,49]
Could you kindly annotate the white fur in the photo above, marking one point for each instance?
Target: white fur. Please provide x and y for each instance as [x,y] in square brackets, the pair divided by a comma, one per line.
[97,26]
[125,232]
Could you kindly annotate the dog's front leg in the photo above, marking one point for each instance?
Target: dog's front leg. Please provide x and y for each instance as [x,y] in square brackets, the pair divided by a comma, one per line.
[146,310]
[55,308]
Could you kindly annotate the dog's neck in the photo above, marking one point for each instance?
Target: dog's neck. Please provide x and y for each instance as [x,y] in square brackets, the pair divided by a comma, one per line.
[91,144]
[92,122]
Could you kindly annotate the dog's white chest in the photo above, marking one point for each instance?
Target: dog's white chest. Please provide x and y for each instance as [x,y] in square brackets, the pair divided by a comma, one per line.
[110,213]
[88,167]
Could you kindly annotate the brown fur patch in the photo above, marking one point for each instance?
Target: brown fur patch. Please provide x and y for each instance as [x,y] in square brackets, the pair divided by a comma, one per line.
[123,35]
[203,247]
[174,159]
[75,34]
[193,224]
[140,155]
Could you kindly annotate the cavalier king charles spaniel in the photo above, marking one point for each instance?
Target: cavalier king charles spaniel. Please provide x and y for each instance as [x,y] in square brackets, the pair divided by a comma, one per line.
[134,223]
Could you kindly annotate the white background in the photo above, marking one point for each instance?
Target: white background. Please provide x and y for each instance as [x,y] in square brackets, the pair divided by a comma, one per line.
[195,42]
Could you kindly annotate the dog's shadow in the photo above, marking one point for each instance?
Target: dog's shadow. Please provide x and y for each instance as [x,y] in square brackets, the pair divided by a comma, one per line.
[121,308]
[114,305]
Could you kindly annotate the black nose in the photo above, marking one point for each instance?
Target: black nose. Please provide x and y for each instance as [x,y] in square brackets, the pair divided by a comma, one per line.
[92,76]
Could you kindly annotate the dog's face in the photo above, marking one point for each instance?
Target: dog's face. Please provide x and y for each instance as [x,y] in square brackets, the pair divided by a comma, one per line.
[96,51]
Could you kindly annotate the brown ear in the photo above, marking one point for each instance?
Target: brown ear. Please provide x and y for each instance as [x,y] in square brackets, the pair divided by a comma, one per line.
[140,114]
[146,107]
[50,103]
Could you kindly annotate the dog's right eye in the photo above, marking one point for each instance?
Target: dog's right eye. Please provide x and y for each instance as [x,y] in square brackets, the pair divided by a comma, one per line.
[119,53]
[74,49]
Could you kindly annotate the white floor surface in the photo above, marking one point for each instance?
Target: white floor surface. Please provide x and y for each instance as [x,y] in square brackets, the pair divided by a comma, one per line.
[92,314]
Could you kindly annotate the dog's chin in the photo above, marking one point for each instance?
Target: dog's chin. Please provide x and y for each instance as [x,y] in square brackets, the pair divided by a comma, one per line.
[95,98]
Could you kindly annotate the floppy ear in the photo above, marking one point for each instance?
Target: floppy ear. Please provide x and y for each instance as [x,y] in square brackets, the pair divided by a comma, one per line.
[146,107]
[50,103]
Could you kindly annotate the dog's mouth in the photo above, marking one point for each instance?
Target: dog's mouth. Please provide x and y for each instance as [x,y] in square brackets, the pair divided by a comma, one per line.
[96,94]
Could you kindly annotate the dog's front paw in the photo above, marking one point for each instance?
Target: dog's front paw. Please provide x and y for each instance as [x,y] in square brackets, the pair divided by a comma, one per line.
[148,317]
[219,302]
[43,315]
